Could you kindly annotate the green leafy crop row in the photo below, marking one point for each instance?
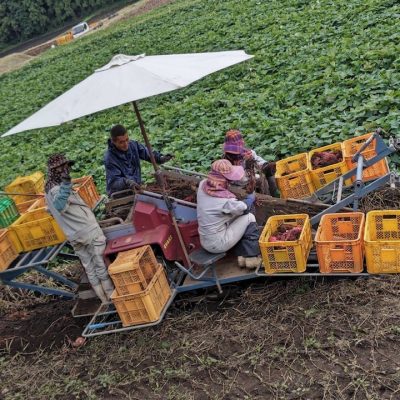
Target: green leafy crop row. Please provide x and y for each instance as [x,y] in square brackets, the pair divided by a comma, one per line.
[323,71]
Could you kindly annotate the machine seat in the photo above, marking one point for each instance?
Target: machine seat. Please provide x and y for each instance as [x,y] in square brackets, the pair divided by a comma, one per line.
[204,258]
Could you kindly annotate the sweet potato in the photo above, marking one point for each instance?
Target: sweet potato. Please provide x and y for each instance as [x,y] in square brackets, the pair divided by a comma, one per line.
[285,233]
[325,158]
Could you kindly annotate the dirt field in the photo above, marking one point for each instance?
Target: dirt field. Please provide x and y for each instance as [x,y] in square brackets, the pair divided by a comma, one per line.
[13,62]
[293,339]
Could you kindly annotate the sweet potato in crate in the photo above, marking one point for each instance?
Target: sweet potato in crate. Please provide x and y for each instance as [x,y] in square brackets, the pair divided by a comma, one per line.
[340,242]
[351,146]
[286,256]
[133,270]
[36,229]
[293,177]
[87,190]
[8,252]
[145,306]
[31,184]
[323,175]
[382,242]
[8,212]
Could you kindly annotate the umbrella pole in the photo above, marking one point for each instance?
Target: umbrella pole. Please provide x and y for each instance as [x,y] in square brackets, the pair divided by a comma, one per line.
[160,180]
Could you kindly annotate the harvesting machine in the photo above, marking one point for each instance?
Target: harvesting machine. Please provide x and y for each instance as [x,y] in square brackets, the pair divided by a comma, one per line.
[169,225]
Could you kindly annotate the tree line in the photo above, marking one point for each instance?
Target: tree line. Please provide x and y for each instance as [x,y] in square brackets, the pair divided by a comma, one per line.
[24,19]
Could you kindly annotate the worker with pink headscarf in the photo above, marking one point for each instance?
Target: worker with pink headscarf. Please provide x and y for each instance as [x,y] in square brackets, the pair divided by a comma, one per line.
[224,221]
[235,151]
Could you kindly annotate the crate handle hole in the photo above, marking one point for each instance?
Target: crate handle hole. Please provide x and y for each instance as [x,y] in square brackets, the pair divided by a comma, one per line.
[390,216]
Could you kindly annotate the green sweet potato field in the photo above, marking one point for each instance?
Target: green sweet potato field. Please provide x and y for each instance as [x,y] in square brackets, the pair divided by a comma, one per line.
[323,71]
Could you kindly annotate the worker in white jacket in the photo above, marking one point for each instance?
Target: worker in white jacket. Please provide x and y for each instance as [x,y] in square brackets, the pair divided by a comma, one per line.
[223,219]
[78,223]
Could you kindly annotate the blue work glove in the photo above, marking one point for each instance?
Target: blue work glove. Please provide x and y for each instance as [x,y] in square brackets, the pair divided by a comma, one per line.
[249,200]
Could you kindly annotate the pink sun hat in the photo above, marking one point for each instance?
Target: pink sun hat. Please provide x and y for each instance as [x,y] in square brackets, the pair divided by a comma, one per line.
[227,170]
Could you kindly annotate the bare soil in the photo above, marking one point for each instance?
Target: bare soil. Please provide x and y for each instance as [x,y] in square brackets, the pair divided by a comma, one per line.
[13,61]
[285,339]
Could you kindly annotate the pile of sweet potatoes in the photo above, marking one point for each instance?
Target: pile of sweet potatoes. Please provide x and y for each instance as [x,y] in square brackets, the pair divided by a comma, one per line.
[325,158]
[286,233]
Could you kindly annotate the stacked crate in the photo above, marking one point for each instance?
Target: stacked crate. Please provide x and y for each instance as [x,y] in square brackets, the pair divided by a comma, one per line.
[352,146]
[324,175]
[31,184]
[36,229]
[293,177]
[8,252]
[86,188]
[8,212]
[141,286]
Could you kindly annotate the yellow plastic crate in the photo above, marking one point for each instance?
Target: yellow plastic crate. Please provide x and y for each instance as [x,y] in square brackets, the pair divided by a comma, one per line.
[340,242]
[351,146]
[36,229]
[324,175]
[31,184]
[133,270]
[382,242]
[145,306]
[292,164]
[8,252]
[293,177]
[288,256]
[86,188]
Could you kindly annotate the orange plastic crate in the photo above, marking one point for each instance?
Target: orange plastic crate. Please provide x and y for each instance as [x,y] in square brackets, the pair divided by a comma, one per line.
[8,252]
[293,177]
[86,188]
[25,206]
[382,242]
[39,203]
[133,270]
[340,242]
[351,146]
[145,306]
[288,256]
[322,176]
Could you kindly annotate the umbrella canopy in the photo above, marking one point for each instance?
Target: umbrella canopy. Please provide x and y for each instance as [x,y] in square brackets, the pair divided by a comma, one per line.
[126,79]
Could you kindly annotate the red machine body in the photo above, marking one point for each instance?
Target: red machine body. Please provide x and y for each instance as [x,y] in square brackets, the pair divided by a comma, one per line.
[154,226]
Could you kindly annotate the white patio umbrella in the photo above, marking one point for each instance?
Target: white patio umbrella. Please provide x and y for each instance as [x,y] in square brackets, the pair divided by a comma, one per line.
[128,79]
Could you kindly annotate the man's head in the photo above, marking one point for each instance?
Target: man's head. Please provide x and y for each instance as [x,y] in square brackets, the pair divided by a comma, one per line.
[119,137]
